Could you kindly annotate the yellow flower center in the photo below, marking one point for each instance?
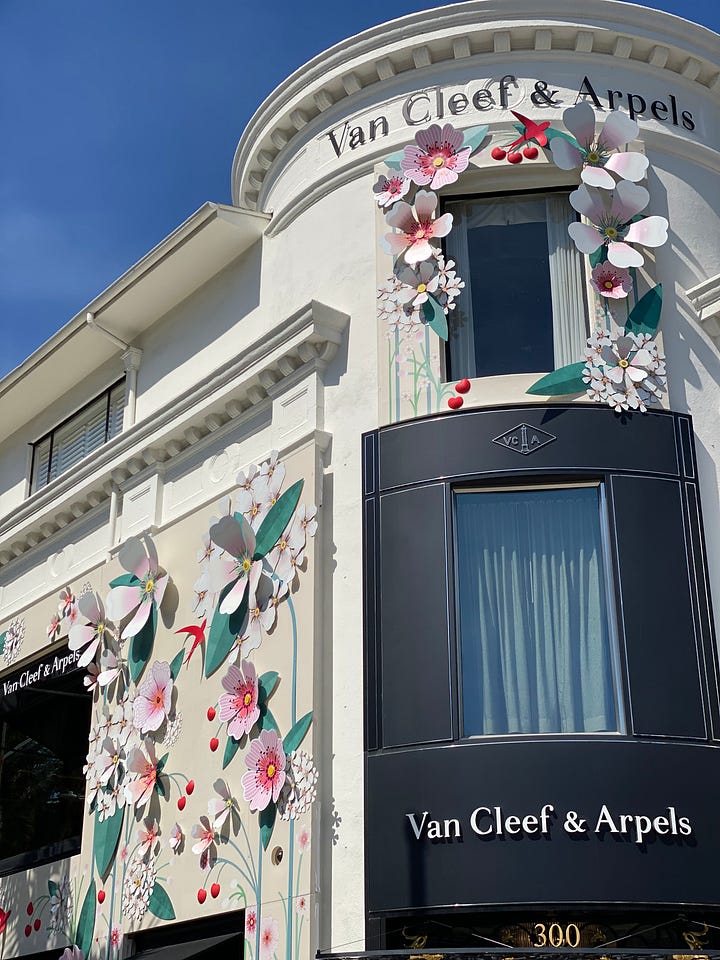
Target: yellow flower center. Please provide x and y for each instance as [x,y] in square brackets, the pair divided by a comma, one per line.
[608,284]
[149,586]
[271,770]
[247,699]
[611,232]
[246,564]
[624,363]
[421,287]
[593,157]
[438,161]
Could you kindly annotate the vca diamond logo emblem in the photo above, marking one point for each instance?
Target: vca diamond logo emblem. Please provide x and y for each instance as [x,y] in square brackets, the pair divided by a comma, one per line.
[524,439]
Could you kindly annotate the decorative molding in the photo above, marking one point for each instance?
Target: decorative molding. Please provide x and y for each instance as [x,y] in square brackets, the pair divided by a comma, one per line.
[304,343]
[705,297]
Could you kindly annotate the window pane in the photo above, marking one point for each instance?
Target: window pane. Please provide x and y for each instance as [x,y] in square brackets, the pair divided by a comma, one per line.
[534,635]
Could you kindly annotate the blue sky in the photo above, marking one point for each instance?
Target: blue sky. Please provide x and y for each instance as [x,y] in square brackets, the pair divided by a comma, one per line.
[120,119]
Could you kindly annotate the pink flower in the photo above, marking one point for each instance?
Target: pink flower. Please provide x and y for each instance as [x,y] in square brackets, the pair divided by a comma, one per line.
[269,937]
[417,227]
[147,590]
[266,770]
[438,157]
[239,706]
[176,837]
[389,189]
[204,834]
[115,937]
[303,840]
[220,808]
[301,905]
[144,772]
[152,703]
[90,634]
[67,602]
[147,835]
[250,920]
[237,538]
[53,628]
[610,281]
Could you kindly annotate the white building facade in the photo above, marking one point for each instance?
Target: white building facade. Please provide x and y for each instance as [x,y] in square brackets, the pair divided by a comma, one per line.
[380,646]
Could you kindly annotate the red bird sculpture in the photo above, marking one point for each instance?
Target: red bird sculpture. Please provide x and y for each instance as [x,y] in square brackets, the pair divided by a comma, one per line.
[198,635]
[533,131]
[4,917]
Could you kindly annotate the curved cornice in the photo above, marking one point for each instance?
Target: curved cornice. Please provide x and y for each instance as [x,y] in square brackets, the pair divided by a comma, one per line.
[600,27]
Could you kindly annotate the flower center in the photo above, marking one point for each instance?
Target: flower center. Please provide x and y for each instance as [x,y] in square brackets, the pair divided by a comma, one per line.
[438,161]
[246,564]
[421,287]
[611,233]
[593,157]
[608,284]
[271,770]
[623,364]
[247,699]
[149,586]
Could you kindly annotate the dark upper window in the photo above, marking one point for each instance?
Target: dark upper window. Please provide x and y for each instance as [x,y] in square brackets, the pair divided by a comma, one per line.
[523,306]
[44,723]
[75,438]
[537,653]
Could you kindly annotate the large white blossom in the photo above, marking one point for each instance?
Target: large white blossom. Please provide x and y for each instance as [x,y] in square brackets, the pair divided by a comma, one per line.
[626,371]
[138,887]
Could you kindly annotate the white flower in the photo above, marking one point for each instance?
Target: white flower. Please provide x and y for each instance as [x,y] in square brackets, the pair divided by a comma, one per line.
[300,788]
[173,730]
[624,371]
[14,640]
[61,906]
[137,888]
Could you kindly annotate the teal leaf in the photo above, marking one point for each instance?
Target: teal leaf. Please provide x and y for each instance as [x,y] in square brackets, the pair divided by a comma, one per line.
[295,737]
[53,888]
[161,763]
[645,315]
[267,822]
[551,132]
[126,580]
[560,382]
[2,640]
[266,720]
[141,644]
[177,663]
[86,922]
[160,904]
[231,748]
[435,317]
[279,516]
[474,137]
[393,161]
[266,684]
[107,834]
[223,631]
[600,255]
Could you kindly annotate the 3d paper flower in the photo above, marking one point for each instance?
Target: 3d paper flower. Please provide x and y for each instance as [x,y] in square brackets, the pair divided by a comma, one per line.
[90,634]
[222,806]
[72,953]
[417,226]
[389,189]
[627,374]
[266,770]
[438,157]
[154,698]
[143,770]
[418,283]
[109,762]
[610,281]
[239,706]
[261,614]
[595,152]
[611,216]
[176,838]
[145,591]
[138,887]
[53,628]
[237,539]
[300,788]
[204,835]
[288,553]
[147,835]
[269,938]
[14,636]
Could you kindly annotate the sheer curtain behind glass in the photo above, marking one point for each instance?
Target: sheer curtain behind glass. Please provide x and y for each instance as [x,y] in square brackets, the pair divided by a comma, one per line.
[535,646]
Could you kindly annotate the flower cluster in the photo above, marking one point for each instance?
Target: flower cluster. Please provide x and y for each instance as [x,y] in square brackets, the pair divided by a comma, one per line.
[300,789]
[401,299]
[14,636]
[138,885]
[624,370]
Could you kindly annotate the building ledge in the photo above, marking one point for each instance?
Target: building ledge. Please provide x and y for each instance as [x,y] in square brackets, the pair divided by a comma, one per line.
[705,297]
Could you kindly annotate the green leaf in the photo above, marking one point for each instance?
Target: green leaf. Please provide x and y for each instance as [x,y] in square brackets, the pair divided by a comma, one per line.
[2,640]
[599,256]
[295,737]
[435,317]
[266,684]
[161,762]
[474,137]
[86,922]
[53,888]
[393,161]
[160,903]
[126,580]
[560,382]
[223,631]
[141,644]
[267,822]
[231,748]
[551,132]
[645,315]
[277,519]
[177,663]
[266,721]
[107,834]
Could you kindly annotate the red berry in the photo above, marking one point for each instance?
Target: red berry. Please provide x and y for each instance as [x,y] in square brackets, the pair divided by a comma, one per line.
[28,930]
[497,153]
[215,891]
[37,923]
[462,386]
[30,909]
[181,803]
[455,403]
[211,714]
[101,896]
[190,787]
[214,744]
[202,895]
[514,158]
[530,152]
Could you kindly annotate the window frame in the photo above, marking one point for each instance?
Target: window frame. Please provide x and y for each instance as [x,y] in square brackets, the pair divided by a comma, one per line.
[533,193]
[33,485]
[617,674]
